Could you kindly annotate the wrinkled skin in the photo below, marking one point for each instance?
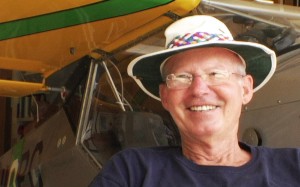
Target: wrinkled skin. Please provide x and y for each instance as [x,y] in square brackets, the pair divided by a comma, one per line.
[208,116]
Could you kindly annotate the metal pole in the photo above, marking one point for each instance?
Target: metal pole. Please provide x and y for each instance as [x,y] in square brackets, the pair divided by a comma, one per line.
[87,99]
[114,89]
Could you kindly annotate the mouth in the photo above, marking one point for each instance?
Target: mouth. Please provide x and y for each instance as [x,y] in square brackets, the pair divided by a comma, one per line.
[203,108]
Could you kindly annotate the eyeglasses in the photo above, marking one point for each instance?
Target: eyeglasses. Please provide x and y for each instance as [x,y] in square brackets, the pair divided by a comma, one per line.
[184,80]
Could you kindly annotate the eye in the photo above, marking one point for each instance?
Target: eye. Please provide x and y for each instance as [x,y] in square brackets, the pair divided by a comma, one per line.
[218,74]
[184,77]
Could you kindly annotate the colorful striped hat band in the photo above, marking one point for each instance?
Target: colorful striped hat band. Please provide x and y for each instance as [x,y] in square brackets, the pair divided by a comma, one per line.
[195,38]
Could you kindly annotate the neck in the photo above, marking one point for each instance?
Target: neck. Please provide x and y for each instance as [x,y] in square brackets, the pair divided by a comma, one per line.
[226,153]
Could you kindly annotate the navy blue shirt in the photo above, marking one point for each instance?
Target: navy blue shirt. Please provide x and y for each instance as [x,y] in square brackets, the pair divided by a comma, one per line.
[166,166]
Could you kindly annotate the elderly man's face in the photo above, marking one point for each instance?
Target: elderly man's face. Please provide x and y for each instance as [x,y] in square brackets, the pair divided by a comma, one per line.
[203,110]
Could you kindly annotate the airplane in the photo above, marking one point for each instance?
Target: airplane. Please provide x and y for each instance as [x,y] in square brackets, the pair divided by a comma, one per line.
[73,104]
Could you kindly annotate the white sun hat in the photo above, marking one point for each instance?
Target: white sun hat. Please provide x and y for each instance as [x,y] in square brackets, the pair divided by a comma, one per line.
[198,32]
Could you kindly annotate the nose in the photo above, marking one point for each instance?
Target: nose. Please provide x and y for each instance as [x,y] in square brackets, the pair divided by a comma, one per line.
[199,85]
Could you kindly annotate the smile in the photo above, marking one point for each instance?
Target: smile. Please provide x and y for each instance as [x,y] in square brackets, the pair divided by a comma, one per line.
[203,108]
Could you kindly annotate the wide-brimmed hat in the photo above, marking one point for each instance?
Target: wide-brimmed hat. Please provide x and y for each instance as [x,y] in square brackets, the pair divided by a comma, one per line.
[198,32]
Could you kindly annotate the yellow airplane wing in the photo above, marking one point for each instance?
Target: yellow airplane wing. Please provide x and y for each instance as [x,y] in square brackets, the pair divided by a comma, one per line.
[52,34]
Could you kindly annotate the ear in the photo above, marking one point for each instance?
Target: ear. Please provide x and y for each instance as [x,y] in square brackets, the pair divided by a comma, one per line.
[247,89]
[163,95]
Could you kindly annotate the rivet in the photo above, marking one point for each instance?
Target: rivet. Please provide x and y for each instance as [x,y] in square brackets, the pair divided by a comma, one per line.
[58,143]
[72,50]
[64,140]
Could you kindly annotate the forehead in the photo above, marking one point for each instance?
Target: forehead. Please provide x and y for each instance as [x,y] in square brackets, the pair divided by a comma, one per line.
[203,57]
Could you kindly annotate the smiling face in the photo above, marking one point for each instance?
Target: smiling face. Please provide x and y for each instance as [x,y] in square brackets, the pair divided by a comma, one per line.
[203,110]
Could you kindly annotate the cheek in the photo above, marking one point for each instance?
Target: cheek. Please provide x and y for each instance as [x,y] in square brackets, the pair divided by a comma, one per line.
[171,100]
[231,94]
[164,96]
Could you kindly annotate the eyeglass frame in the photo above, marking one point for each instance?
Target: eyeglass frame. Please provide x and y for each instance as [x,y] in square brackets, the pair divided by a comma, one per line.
[204,77]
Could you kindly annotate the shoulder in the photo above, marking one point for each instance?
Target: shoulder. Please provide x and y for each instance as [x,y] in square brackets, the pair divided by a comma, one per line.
[277,155]
[130,165]
[267,151]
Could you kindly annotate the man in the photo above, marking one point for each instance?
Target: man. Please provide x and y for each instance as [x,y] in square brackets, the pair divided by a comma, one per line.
[203,79]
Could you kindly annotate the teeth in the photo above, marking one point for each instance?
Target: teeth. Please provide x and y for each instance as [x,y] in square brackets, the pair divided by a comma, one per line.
[203,108]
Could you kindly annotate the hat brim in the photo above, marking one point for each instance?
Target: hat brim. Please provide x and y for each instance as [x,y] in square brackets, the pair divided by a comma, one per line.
[260,64]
